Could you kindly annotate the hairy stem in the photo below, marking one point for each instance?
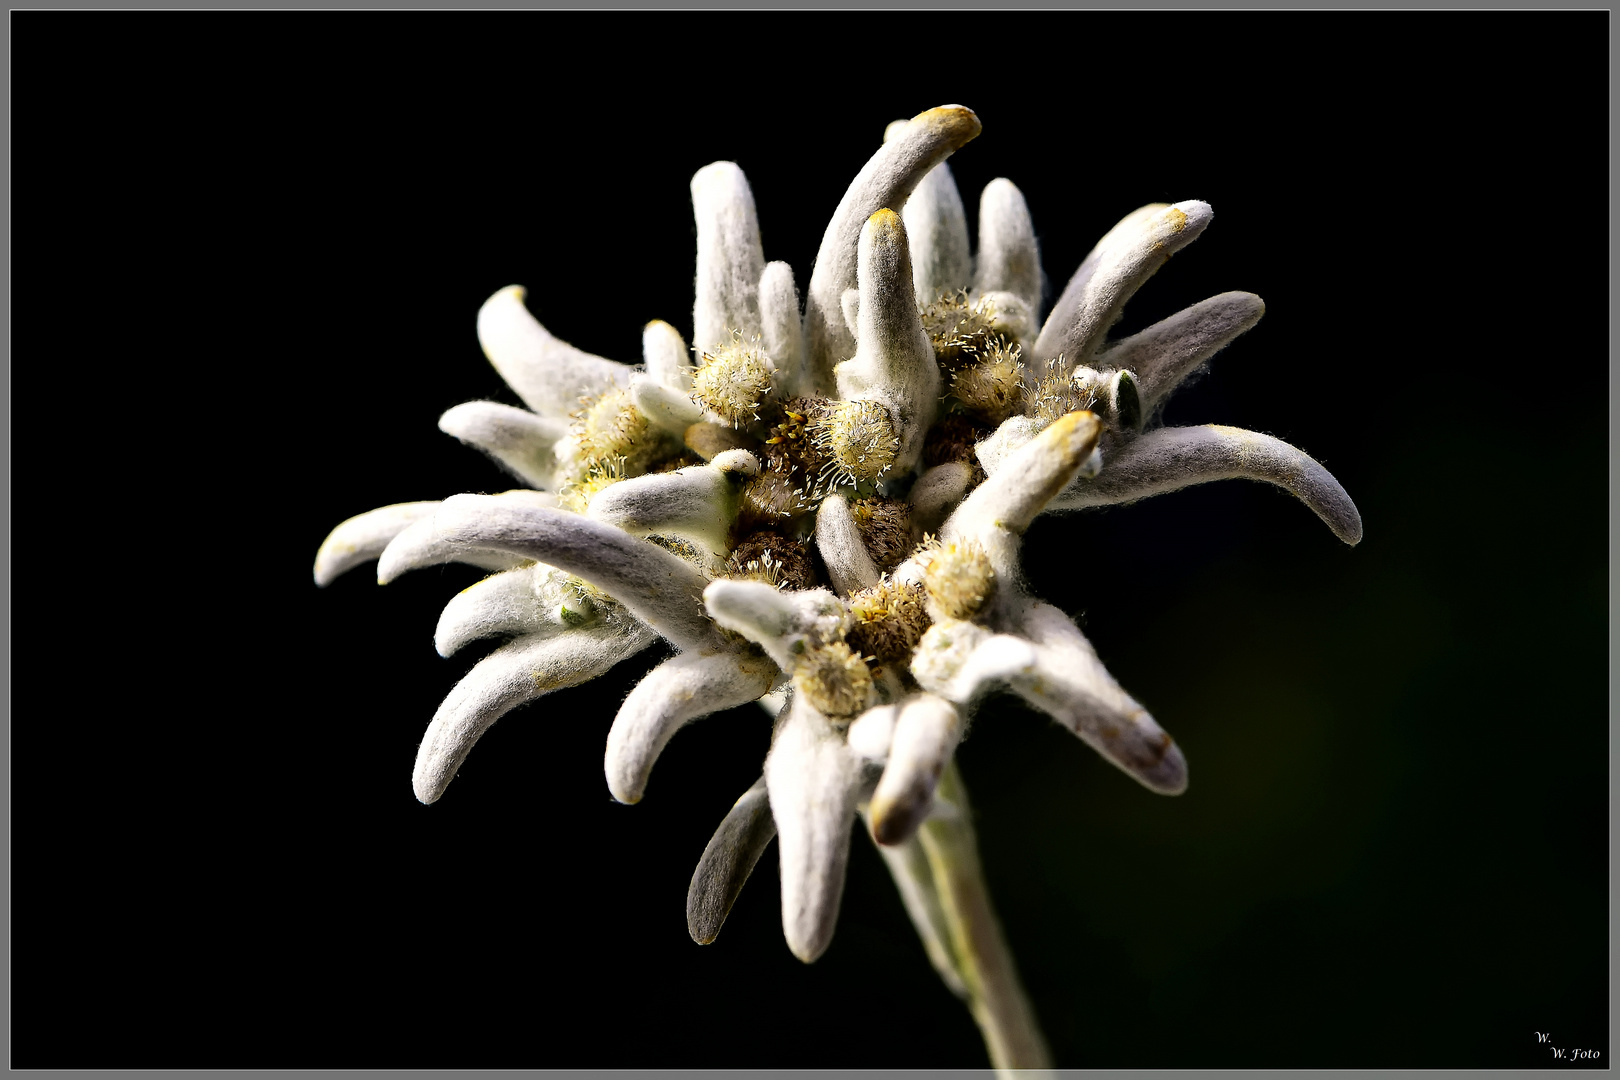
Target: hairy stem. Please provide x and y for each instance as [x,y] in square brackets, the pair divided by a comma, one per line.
[958,909]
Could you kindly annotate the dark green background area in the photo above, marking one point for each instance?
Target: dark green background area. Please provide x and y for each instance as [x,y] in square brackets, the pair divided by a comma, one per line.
[259,242]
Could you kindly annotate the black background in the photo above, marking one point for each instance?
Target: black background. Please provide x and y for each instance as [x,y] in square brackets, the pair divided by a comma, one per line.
[247,255]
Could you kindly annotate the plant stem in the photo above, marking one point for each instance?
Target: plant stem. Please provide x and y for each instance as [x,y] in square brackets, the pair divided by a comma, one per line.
[946,897]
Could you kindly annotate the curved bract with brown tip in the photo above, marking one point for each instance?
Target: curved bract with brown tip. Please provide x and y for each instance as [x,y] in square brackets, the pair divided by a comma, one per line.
[885,182]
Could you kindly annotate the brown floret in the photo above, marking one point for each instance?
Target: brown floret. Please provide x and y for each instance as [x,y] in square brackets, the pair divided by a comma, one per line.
[773,558]
[953,439]
[958,330]
[885,526]
[1059,392]
[790,448]
[771,501]
[887,620]
[992,387]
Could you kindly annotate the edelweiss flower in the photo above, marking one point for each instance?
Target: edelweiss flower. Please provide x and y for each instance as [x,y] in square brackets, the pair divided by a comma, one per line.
[824,514]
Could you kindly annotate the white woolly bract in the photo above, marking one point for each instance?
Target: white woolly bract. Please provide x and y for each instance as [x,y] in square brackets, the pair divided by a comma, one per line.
[727,862]
[813,780]
[1120,263]
[1049,663]
[520,441]
[698,503]
[506,603]
[1167,352]
[549,374]
[936,493]
[518,672]
[784,624]
[942,656]
[657,587]
[871,733]
[679,690]
[886,180]
[781,332]
[893,363]
[669,409]
[926,732]
[730,259]
[1012,435]
[850,305]
[936,224]
[364,537]
[665,355]
[1009,259]
[843,551]
[999,510]
[1071,685]
[419,546]
[1173,458]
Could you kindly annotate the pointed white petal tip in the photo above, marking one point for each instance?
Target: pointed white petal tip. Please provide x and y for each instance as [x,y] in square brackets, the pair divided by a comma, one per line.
[838,538]
[727,862]
[365,537]
[812,779]
[1009,260]
[719,182]
[676,692]
[925,735]
[1028,479]
[1197,212]
[418,546]
[505,603]
[668,360]
[959,120]
[517,439]
[549,374]
[1169,776]
[1169,459]
[512,675]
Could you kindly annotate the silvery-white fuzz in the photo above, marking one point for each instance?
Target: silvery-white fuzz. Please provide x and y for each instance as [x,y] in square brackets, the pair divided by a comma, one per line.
[825,512]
